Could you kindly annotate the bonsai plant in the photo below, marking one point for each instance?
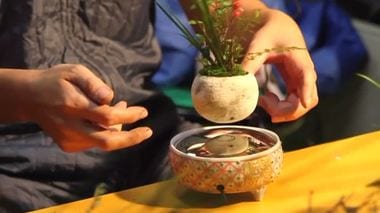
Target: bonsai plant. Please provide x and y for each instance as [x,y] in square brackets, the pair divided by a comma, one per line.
[222,91]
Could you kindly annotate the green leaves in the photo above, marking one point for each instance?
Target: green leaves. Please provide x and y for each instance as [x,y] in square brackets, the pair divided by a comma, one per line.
[186,33]
[210,33]
[222,35]
[218,39]
[219,72]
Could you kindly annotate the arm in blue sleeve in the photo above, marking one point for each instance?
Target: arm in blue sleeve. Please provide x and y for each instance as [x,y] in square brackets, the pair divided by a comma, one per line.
[339,52]
[178,55]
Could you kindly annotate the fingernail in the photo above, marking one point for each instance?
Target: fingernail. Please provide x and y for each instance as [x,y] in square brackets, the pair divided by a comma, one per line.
[103,94]
[143,113]
[148,132]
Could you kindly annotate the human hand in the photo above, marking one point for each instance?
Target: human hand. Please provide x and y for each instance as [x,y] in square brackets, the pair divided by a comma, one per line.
[72,105]
[295,66]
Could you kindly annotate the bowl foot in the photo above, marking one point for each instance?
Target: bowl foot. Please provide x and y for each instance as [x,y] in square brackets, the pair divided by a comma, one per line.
[258,194]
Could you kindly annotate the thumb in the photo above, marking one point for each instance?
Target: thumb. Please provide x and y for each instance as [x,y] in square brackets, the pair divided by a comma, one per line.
[91,85]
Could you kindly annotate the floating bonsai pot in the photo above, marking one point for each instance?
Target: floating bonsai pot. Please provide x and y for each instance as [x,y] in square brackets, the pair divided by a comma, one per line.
[226,159]
[222,91]
[225,99]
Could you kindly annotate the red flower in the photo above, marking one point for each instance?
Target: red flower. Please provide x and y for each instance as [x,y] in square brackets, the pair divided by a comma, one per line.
[237,8]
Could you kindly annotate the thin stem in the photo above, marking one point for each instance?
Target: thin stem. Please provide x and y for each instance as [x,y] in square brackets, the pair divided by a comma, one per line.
[377,84]
[192,39]
[212,38]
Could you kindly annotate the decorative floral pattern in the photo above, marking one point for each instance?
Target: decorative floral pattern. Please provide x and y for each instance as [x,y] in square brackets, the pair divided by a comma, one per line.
[233,176]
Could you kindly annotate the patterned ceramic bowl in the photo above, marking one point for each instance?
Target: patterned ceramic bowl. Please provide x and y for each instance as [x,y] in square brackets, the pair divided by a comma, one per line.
[226,159]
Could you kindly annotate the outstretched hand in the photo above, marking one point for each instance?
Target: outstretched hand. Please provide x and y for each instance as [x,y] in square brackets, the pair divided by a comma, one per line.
[73,106]
[295,66]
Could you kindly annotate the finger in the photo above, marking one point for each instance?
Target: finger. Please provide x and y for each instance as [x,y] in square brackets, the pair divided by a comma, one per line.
[256,54]
[297,70]
[289,110]
[108,115]
[312,100]
[308,92]
[281,111]
[75,99]
[111,140]
[91,85]
[120,105]
[269,103]
[253,62]
[82,135]
[116,127]
[70,135]
[304,70]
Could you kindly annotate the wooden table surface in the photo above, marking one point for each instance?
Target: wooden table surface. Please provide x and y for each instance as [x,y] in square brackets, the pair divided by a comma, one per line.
[331,177]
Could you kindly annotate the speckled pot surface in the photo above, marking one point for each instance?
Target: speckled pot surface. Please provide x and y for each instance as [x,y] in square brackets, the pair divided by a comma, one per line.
[225,99]
[245,173]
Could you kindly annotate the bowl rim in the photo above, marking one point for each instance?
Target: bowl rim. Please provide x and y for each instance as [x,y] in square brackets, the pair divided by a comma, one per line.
[187,133]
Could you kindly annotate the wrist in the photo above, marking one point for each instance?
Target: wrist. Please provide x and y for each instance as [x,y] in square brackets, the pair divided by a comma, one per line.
[29,94]
[16,94]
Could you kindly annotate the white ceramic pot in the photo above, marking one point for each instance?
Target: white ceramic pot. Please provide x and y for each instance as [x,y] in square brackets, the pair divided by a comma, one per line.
[242,171]
[225,99]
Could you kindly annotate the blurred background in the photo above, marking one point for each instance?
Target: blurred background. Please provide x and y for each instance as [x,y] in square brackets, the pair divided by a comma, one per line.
[355,108]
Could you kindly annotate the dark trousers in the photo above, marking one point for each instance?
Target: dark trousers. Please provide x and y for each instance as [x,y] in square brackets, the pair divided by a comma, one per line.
[35,173]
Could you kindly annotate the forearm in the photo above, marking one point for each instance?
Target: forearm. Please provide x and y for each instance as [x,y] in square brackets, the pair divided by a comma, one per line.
[14,94]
